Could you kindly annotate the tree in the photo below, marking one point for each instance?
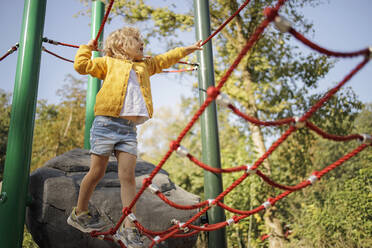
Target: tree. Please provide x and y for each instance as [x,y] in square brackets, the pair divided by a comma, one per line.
[59,128]
[336,211]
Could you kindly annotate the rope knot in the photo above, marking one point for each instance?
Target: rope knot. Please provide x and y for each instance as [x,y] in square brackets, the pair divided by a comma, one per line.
[232,220]
[157,239]
[223,100]
[282,24]
[13,48]
[93,234]
[126,211]
[272,201]
[174,145]
[182,151]
[270,13]
[297,123]
[366,138]
[317,175]
[112,231]
[213,92]
[181,225]
[146,182]
[269,203]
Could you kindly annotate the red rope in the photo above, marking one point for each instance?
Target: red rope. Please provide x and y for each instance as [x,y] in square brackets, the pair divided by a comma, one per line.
[273,147]
[68,45]
[196,216]
[257,122]
[10,51]
[334,90]
[253,39]
[180,70]
[56,55]
[188,63]
[215,170]
[226,22]
[342,160]
[104,21]
[332,136]
[177,206]
[327,52]
[53,42]
[154,233]
[5,55]
[290,120]
[280,186]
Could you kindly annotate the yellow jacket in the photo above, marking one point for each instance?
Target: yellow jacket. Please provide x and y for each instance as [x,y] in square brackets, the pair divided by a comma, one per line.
[115,73]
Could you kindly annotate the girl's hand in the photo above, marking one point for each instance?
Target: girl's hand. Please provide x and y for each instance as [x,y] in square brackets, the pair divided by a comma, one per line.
[93,45]
[195,47]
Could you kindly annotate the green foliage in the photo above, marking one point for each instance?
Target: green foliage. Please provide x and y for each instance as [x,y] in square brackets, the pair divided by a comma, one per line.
[59,128]
[335,212]
[28,242]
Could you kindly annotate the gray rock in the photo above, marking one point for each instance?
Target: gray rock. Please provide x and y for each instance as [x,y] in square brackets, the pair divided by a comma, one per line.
[55,187]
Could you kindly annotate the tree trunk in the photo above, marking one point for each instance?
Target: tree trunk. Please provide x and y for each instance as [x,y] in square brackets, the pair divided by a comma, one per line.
[273,224]
[61,139]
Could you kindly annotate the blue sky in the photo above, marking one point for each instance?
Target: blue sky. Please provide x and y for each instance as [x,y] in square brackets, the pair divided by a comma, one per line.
[342,25]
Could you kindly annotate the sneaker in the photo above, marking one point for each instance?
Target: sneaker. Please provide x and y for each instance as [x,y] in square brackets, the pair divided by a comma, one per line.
[130,237]
[85,222]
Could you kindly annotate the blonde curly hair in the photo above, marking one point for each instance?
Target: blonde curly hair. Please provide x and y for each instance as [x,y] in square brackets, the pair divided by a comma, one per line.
[119,41]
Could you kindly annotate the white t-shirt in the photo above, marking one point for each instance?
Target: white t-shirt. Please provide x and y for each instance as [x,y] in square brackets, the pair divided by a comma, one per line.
[134,104]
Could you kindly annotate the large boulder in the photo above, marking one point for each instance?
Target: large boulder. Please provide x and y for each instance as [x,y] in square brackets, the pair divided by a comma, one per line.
[54,189]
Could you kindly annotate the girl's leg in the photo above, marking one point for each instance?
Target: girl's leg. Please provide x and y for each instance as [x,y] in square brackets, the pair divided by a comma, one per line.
[126,172]
[96,172]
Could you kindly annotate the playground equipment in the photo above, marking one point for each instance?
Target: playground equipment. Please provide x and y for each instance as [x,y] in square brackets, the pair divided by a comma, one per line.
[13,200]
[18,157]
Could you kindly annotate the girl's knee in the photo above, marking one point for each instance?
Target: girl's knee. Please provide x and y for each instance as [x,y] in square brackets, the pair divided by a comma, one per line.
[126,178]
[95,175]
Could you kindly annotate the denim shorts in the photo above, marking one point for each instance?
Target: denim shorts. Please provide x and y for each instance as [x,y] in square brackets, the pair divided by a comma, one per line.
[109,134]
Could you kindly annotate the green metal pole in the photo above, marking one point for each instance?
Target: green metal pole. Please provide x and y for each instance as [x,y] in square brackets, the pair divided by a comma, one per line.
[94,84]
[209,127]
[17,164]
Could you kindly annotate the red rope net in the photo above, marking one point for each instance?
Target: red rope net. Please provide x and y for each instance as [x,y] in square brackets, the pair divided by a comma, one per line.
[187,228]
